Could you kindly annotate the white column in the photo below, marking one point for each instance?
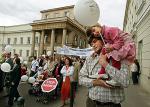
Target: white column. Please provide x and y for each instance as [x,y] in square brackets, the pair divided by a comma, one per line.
[52,40]
[64,37]
[33,43]
[42,42]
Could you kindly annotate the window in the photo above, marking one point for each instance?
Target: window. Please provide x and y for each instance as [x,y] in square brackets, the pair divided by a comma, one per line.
[140,48]
[84,43]
[44,52]
[15,40]
[35,52]
[28,40]
[36,40]
[49,16]
[46,39]
[66,13]
[76,41]
[80,43]
[21,40]
[55,39]
[58,39]
[20,52]
[27,53]
[8,40]
[46,16]
[67,39]
[56,15]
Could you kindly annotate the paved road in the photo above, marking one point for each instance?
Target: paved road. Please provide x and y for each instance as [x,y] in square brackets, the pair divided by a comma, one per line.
[135,97]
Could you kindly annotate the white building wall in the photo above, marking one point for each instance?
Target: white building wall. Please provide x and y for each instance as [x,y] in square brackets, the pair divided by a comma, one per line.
[141,32]
[13,32]
[1,37]
[58,13]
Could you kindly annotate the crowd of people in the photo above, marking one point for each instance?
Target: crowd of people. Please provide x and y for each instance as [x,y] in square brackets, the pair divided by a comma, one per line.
[65,69]
[44,67]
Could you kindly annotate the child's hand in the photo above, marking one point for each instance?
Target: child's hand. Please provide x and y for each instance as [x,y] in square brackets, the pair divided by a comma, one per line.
[108,48]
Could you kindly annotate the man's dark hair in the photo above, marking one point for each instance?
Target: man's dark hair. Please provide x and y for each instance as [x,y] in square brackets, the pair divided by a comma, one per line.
[70,61]
[34,57]
[89,32]
[17,60]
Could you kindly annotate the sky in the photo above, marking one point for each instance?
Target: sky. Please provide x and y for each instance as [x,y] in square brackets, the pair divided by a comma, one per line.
[15,12]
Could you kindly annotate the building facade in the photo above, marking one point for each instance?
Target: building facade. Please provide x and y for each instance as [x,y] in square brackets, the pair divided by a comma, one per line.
[19,37]
[137,22]
[56,28]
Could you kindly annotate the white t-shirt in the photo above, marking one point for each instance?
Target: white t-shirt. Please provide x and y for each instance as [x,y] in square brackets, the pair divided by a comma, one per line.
[133,67]
[34,64]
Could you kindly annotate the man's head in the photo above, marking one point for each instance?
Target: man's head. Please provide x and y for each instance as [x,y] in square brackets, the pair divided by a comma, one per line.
[94,39]
[8,55]
[16,55]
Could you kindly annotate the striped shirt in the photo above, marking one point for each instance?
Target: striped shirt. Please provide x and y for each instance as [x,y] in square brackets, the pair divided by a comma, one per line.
[101,94]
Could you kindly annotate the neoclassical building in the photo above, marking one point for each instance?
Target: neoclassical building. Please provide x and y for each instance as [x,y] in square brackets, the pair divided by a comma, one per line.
[56,28]
[137,22]
[19,37]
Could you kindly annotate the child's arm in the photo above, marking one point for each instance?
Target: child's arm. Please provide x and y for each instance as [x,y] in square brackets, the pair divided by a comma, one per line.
[116,38]
[108,48]
[120,76]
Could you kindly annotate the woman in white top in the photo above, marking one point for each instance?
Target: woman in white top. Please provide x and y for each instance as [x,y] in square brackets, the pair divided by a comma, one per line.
[67,72]
[134,71]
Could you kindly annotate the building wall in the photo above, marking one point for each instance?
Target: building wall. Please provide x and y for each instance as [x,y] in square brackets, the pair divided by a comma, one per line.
[1,36]
[130,16]
[14,34]
[52,13]
[141,35]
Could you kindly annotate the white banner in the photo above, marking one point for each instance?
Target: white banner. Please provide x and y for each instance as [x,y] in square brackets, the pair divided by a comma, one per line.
[74,51]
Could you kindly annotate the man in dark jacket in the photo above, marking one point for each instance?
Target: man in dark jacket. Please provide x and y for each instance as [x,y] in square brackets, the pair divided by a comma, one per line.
[138,67]
[2,60]
[15,76]
[8,60]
